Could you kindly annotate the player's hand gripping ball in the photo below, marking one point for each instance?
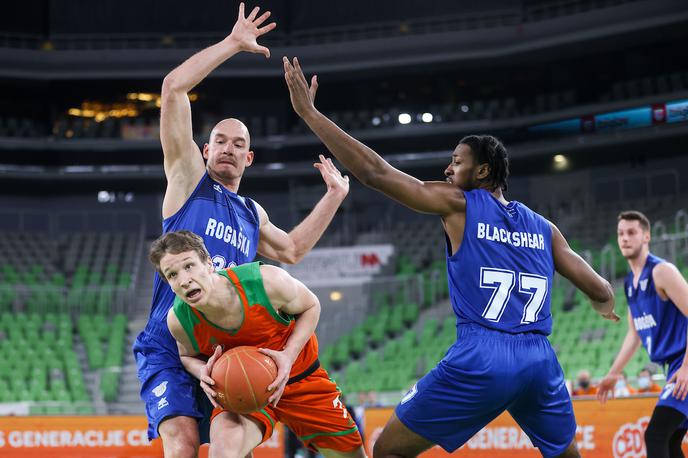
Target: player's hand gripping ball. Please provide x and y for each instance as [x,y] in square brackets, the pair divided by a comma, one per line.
[242,376]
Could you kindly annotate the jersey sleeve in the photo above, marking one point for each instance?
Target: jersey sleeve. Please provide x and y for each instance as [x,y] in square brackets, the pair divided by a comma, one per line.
[187,319]
[250,277]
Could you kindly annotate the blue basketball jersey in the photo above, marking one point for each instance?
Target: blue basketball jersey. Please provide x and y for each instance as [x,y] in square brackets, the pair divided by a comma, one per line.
[660,324]
[229,225]
[501,276]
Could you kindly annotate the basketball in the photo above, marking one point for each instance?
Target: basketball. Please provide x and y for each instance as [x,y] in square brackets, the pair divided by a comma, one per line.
[242,376]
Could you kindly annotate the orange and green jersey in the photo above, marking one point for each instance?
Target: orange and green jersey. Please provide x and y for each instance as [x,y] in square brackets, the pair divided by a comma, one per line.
[262,326]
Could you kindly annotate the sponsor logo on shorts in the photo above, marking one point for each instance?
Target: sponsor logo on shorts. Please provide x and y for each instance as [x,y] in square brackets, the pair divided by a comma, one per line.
[160,389]
[629,442]
[412,392]
[162,403]
[338,404]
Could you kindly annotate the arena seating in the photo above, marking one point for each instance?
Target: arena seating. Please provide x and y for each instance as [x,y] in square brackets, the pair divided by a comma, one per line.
[39,363]
[49,285]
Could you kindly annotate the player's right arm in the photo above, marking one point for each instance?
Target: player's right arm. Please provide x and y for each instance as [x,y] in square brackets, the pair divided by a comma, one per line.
[435,197]
[189,357]
[569,264]
[288,295]
[183,162]
[628,348]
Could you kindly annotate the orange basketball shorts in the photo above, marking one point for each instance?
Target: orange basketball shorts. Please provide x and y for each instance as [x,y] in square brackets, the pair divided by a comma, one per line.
[313,410]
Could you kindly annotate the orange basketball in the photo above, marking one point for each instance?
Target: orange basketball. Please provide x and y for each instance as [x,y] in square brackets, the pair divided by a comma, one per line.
[242,376]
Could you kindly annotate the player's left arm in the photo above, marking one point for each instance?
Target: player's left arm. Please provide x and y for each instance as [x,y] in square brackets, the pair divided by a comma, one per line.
[291,297]
[670,284]
[371,169]
[290,248]
[190,357]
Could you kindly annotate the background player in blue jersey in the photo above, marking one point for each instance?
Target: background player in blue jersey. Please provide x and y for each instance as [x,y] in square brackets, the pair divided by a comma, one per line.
[203,198]
[657,296]
[501,258]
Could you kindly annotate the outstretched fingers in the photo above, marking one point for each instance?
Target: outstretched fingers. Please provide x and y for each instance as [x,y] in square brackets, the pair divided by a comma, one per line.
[267,28]
[298,72]
[313,89]
[263,17]
[252,17]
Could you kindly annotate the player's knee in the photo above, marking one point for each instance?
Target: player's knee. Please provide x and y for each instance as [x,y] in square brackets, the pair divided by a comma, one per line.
[180,446]
[380,449]
[230,445]
[217,451]
[228,449]
[180,437]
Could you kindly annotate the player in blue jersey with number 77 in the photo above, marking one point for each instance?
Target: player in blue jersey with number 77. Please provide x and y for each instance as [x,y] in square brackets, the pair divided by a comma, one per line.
[657,296]
[501,258]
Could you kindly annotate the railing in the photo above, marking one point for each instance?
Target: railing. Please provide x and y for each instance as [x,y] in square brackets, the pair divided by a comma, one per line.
[65,222]
[608,261]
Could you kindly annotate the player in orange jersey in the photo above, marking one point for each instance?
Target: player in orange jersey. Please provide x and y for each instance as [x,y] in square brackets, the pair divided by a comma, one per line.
[262,306]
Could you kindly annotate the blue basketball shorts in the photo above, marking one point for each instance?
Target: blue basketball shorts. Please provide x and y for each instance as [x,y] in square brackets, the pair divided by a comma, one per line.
[483,374]
[167,389]
[666,397]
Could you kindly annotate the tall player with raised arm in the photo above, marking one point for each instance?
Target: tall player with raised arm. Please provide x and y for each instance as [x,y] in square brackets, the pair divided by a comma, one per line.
[202,197]
[501,258]
[657,296]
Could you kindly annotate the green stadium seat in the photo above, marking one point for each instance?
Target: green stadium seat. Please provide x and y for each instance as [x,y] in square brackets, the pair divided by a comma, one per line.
[326,356]
[410,312]
[358,341]
[85,410]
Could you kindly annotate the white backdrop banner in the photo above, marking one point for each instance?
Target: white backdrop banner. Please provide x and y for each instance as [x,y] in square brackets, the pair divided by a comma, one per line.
[14,408]
[341,265]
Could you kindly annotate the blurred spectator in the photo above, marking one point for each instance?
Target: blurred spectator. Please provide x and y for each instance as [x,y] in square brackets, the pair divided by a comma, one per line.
[584,384]
[622,388]
[368,399]
[646,384]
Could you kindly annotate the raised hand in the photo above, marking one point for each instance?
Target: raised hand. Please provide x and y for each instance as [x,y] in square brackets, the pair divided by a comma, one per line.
[333,178]
[680,378]
[247,30]
[284,363]
[206,381]
[606,387]
[302,95]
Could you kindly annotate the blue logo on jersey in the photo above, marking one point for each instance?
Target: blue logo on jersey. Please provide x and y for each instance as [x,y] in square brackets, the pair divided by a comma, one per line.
[219,262]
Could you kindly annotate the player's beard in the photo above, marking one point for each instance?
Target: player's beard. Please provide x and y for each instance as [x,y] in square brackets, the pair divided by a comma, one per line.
[635,254]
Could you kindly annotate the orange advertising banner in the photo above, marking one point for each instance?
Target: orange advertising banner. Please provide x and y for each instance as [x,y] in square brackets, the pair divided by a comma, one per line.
[95,437]
[604,431]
